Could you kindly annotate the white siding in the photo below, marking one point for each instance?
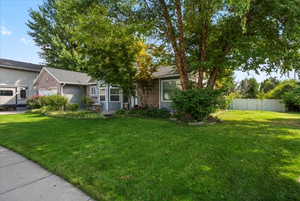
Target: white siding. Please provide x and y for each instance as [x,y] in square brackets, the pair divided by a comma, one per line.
[19,79]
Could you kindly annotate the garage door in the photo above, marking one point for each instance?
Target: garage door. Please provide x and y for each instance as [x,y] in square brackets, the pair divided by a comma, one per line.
[74,93]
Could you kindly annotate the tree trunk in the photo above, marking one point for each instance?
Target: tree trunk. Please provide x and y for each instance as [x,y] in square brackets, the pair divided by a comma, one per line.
[203,53]
[213,78]
[178,47]
[182,47]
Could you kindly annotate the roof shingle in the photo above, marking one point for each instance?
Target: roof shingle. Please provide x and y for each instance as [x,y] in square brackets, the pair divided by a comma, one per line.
[70,77]
[7,63]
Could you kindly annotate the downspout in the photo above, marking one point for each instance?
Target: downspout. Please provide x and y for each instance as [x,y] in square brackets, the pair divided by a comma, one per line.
[107,100]
[16,93]
[159,93]
[62,88]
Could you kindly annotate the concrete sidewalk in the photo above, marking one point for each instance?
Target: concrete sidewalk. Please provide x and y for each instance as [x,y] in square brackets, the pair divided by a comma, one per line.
[23,180]
[12,112]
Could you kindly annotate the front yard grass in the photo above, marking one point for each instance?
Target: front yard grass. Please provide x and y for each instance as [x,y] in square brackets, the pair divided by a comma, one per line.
[251,156]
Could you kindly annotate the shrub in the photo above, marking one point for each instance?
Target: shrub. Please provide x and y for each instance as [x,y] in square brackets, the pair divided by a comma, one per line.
[72,107]
[229,99]
[87,101]
[292,100]
[121,112]
[281,89]
[56,102]
[196,104]
[151,112]
[34,102]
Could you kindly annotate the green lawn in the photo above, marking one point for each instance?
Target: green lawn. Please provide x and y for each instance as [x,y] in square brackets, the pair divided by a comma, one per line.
[251,156]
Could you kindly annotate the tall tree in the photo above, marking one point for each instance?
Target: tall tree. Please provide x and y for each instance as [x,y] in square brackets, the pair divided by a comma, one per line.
[51,33]
[268,84]
[210,37]
[207,38]
[249,88]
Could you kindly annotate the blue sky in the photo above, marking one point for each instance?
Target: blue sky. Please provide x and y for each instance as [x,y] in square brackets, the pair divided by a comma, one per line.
[16,44]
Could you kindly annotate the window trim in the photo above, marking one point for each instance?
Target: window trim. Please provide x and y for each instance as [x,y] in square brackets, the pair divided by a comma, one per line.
[110,94]
[162,89]
[7,90]
[91,90]
[102,88]
[25,93]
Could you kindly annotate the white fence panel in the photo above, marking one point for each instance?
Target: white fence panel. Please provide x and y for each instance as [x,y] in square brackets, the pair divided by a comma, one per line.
[275,105]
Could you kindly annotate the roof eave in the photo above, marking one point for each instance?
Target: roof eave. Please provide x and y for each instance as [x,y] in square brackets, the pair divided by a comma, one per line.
[21,68]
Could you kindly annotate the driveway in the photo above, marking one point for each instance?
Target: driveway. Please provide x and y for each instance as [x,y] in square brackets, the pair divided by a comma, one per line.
[23,180]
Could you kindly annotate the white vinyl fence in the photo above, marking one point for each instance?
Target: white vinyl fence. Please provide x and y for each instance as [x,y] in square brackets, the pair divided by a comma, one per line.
[275,105]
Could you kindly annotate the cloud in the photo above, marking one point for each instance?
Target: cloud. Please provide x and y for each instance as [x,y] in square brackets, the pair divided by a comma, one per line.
[4,31]
[26,41]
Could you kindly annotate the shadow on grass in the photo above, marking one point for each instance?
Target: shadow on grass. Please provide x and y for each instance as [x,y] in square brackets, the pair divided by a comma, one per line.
[154,160]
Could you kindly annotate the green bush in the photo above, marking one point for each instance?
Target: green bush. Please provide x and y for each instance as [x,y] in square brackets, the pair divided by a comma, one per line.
[151,112]
[87,101]
[56,102]
[292,100]
[72,107]
[229,99]
[122,112]
[196,104]
[34,102]
[281,89]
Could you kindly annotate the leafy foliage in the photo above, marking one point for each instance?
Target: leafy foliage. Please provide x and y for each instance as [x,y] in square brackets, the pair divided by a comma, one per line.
[87,101]
[151,112]
[292,99]
[72,107]
[281,89]
[109,49]
[197,104]
[53,102]
[249,88]
[268,85]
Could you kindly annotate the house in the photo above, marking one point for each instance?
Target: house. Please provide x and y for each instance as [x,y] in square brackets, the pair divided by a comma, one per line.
[160,88]
[76,85]
[16,82]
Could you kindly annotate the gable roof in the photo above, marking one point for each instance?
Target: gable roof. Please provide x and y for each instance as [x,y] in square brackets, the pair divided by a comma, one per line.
[164,72]
[69,77]
[18,65]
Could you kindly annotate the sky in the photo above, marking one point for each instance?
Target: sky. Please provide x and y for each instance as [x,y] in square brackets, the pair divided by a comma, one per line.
[16,44]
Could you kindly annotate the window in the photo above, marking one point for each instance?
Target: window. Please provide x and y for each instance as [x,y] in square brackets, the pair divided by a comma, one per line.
[168,88]
[93,91]
[102,94]
[6,93]
[23,93]
[114,94]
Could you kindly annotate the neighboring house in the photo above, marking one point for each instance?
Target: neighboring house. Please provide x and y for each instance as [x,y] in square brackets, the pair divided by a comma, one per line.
[16,82]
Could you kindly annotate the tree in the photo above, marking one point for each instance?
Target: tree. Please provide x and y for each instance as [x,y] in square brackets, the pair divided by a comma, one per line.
[282,88]
[51,32]
[249,88]
[268,84]
[108,49]
[80,35]
[210,37]
[207,39]
[149,58]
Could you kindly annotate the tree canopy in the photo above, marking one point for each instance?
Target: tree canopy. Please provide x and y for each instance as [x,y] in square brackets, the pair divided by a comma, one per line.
[206,39]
